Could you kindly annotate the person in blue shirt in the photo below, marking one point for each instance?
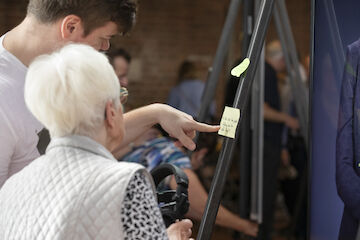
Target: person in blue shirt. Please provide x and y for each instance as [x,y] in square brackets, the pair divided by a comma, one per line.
[186,96]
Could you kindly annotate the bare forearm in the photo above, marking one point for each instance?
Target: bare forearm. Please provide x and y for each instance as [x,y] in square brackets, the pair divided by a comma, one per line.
[228,219]
[273,115]
[177,124]
[137,122]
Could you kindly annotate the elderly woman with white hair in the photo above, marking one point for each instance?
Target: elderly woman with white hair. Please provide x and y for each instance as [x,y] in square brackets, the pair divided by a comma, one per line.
[78,190]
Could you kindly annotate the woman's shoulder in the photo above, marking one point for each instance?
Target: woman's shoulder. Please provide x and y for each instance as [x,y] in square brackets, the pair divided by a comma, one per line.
[113,178]
[119,168]
[354,50]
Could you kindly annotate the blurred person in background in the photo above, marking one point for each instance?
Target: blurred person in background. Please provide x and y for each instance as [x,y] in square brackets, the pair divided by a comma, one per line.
[187,94]
[293,167]
[120,60]
[274,122]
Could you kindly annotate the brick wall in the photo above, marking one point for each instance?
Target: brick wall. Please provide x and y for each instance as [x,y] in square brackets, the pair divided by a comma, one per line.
[169,31]
[11,13]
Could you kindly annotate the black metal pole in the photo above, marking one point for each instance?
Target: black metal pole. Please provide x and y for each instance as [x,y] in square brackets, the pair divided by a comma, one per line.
[257,141]
[248,22]
[245,132]
[222,167]
[219,59]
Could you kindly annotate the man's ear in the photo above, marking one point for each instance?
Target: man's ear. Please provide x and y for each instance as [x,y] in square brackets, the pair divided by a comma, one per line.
[72,28]
[110,113]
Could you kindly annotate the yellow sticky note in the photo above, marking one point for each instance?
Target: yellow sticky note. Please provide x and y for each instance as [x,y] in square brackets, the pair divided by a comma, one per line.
[241,68]
[229,122]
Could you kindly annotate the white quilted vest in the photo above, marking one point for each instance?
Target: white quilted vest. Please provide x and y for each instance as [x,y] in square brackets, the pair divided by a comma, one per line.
[74,191]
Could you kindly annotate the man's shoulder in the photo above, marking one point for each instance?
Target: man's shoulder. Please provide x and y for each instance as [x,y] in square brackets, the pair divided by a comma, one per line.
[9,94]
[191,84]
[6,84]
[12,78]
[354,48]
[10,66]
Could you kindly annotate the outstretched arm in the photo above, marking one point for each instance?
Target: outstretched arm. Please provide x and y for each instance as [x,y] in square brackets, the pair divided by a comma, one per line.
[179,125]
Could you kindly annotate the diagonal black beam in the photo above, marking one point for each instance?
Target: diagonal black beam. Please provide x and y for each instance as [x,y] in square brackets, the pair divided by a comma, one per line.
[244,158]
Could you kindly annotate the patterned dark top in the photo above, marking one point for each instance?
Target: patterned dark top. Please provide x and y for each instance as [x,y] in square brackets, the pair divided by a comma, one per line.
[141,215]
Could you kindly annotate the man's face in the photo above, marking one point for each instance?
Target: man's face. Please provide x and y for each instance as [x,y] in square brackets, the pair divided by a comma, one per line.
[278,63]
[100,37]
[121,67]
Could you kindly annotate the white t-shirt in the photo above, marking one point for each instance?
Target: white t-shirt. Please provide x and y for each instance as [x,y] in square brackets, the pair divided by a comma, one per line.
[18,127]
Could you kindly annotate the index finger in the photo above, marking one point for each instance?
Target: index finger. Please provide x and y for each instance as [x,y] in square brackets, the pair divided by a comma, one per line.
[203,127]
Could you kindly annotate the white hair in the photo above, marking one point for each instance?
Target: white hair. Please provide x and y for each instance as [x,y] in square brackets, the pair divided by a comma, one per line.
[67,91]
